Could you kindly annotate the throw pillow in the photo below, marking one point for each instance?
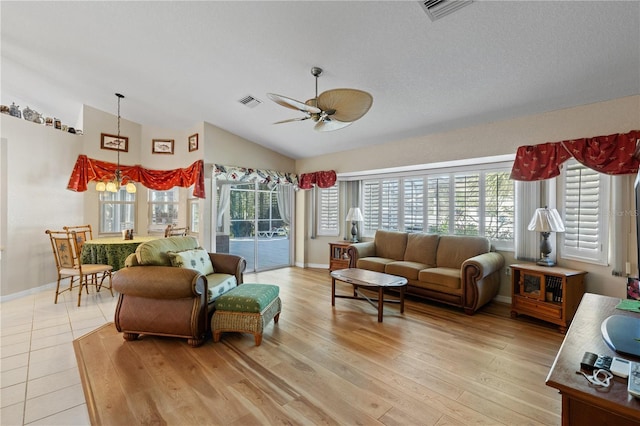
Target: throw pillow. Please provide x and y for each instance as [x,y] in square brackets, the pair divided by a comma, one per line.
[197,259]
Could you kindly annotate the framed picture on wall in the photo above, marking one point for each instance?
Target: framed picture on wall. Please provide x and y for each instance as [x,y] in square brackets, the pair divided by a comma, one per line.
[193,142]
[162,146]
[112,142]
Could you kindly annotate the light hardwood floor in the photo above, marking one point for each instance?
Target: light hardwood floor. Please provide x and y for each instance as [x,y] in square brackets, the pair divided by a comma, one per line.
[434,365]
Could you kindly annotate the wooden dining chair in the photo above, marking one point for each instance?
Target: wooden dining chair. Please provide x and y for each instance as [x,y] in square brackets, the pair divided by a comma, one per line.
[66,254]
[172,231]
[83,233]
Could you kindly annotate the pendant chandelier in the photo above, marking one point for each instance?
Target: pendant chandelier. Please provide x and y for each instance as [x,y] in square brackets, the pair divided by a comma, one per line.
[114,184]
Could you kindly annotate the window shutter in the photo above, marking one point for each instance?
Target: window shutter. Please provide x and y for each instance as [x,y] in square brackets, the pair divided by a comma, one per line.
[371,207]
[328,221]
[585,206]
[438,201]
[390,201]
[499,209]
[413,204]
[467,204]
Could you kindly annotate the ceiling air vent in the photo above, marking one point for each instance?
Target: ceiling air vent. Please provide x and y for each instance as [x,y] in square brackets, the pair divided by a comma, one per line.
[437,9]
[250,101]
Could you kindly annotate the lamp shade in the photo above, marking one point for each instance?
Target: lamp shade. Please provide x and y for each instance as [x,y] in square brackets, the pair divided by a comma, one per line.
[546,220]
[354,215]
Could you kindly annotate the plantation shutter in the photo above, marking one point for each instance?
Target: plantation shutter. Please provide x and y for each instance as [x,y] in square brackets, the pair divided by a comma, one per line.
[585,206]
[467,204]
[390,202]
[328,221]
[438,201]
[499,209]
[370,207]
[413,204]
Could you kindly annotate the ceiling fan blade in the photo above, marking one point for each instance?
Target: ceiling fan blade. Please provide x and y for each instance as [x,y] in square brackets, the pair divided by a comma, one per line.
[292,103]
[328,125]
[293,119]
[349,104]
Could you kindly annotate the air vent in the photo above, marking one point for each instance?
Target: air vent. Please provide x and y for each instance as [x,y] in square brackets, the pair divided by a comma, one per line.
[250,101]
[437,9]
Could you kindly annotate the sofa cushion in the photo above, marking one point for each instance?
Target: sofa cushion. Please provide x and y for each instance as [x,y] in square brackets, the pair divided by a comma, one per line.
[422,248]
[155,252]
[402,268]
[376,264]
[390,244]
[218,284]
[453,250]
[446,277]
[197,259]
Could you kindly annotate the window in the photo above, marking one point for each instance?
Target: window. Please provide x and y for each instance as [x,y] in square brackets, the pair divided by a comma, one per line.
[117,211]
[584,193]
[328,221]
[194,215]
[163,208]
[457,203]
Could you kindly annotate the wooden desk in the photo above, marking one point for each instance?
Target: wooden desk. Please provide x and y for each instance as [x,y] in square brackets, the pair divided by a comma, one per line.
[581,403]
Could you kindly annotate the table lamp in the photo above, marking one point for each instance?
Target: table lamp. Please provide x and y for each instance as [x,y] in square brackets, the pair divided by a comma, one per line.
[546,221]
[354,216]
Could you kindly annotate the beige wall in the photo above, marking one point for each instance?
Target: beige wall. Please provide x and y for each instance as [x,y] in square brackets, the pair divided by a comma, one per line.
[499,138]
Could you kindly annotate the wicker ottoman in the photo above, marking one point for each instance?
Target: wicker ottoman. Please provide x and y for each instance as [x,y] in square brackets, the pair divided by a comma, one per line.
[246,309]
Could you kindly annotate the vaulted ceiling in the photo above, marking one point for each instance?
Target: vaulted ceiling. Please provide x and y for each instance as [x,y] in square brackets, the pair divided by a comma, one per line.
[179,63]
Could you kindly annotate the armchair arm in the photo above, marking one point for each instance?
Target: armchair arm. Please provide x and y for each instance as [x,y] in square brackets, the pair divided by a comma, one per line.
[481,275]
[160,282]
[229,264]
[358,250]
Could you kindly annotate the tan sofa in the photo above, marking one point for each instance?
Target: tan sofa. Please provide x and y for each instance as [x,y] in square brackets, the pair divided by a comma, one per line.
[457,270]
[160,299]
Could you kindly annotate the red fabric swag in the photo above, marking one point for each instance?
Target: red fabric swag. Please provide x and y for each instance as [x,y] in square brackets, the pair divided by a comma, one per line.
[87,170]
[612,154]
[322,179]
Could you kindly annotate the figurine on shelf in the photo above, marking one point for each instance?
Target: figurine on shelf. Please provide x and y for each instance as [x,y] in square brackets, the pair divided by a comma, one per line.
[14,110]
[32,115]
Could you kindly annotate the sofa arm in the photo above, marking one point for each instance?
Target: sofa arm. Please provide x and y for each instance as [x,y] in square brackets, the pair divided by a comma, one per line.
[358,250]
[160,282]
[229,264]
[481,275]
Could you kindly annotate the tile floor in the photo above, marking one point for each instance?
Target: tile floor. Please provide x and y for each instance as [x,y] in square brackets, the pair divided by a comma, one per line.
[40,383]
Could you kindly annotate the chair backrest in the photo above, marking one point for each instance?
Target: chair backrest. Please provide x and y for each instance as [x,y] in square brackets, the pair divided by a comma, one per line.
[63,248]
[83,233]
[172,231]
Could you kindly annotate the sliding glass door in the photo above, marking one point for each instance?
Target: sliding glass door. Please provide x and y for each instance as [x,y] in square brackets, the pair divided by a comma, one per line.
[256,220]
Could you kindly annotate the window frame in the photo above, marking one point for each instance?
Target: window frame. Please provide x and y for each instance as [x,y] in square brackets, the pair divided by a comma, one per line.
[155,227]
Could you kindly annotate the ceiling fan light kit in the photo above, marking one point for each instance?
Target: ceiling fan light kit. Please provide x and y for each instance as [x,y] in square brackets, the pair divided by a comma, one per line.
[331,110]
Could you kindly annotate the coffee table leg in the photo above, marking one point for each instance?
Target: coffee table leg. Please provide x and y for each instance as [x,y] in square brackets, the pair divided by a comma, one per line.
[380,303]
[402,298]
[333,291]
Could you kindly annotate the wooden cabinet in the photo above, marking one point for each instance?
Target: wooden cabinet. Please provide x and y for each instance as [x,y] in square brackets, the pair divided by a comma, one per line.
[548,293]
[338,258]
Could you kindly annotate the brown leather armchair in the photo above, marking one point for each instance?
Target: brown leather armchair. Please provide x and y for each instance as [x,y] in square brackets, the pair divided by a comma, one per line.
[172,301]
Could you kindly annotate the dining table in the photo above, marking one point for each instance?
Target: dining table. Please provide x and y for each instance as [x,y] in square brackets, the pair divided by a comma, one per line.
[111,250]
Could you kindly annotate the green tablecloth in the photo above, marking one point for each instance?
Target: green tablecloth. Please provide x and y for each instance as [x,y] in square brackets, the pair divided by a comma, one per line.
[110,251]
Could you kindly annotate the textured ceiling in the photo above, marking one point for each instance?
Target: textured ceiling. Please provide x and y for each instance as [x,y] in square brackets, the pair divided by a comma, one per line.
[179,63]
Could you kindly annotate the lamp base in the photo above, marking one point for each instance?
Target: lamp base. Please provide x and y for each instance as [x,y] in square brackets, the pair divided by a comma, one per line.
[545,261]
[354,232]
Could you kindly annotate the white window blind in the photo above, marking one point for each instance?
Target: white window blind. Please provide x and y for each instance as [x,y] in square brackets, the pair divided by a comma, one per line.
[328,221]
[467,204]
[413,206]
[586,203]
[390,203]
[438,202]
[499,206]
[371,207]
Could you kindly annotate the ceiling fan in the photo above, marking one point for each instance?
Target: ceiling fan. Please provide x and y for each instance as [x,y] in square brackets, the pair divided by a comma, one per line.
[332,110]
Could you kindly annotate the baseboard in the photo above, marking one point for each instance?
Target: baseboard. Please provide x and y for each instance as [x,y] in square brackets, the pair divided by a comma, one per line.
[28,292]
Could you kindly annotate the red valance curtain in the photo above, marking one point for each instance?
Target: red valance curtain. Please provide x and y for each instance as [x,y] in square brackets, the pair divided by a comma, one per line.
[87,170]
[613,155]
[322,179]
